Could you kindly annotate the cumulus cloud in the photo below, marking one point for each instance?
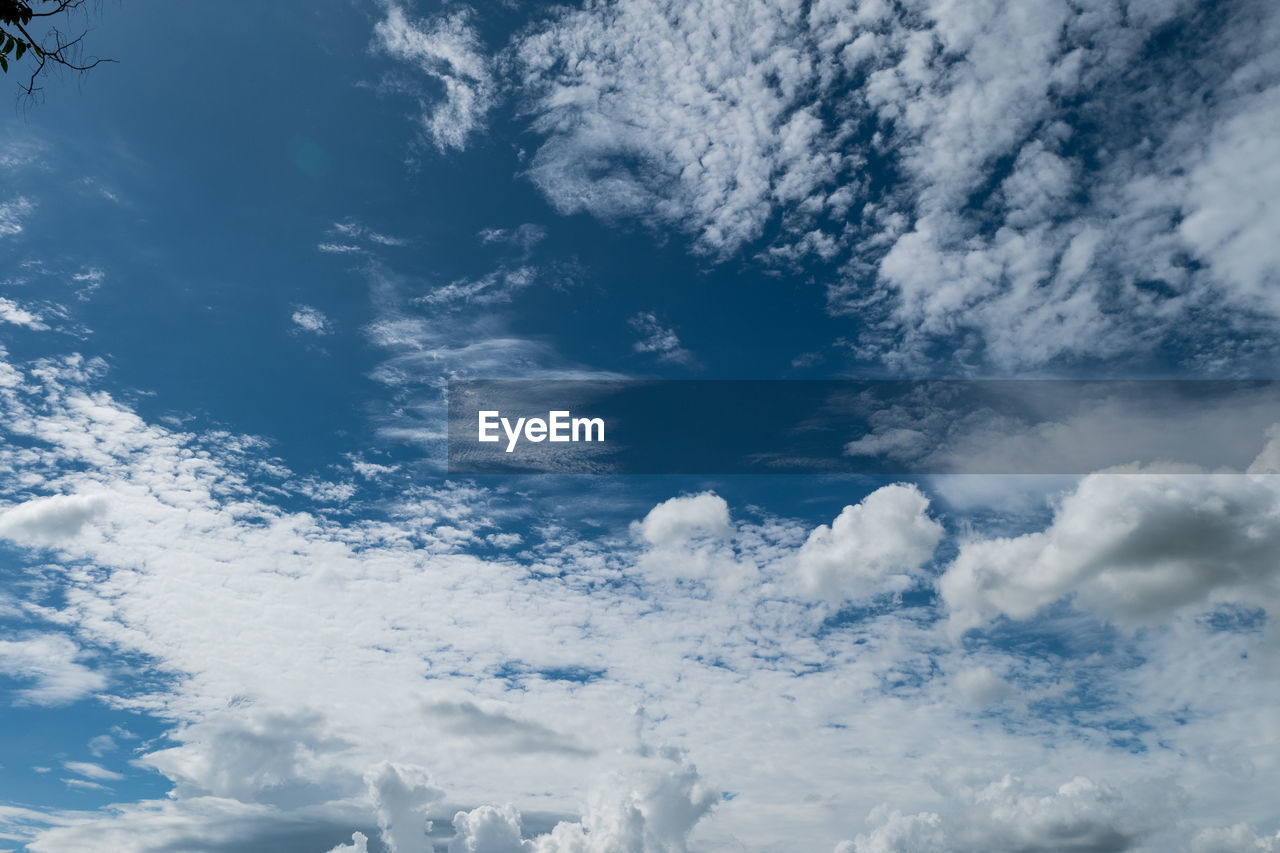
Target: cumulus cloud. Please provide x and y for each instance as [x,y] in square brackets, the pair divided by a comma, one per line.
[447,50]
[400,794]
[50,520]
[871,546]
[359,844]
[651,812]
[488,829]
[1132,546]
[895,832]
[1081,815]
[676,521]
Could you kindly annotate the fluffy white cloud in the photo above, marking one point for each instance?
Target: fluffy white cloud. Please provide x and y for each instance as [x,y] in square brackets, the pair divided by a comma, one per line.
[12,312]
[1081,815]
[676,521]
[871,546]
[1131,546]
[447,50]
[359,844]
[895,832]
[53,662]
[651,813]
[488,829]
[400,795]
[45,521]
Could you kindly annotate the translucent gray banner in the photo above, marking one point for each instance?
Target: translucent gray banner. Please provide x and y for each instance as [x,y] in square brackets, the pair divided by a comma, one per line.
[892,427]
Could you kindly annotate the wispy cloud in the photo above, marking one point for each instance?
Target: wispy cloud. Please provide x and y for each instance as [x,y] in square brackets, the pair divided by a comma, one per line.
[659,340]
[447,51]
[12,214]
[92,771]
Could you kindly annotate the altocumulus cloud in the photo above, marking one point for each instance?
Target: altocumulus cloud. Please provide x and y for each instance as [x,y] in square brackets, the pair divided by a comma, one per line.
[1029,182]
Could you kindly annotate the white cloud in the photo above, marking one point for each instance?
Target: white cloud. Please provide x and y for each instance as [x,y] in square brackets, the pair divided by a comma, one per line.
[1229,206]
[1042,179]
[659,340]
[92,771]
[1132,546]
[488,829]
[359,844]
[52,661]
[1080,815]
[12,312]
[46,521]
[501,285]
[871,546]
[676,521]
[101,745]
[653,812]
[898,833]
[504,540]
[161,825]
[339,248]
[12,214]
[311,320]
[524,237]
[447,50]
[698,116]
[512,677]
[400,795]
[980,686]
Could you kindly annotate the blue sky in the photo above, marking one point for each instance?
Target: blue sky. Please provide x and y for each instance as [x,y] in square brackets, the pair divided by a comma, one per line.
[244,606]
